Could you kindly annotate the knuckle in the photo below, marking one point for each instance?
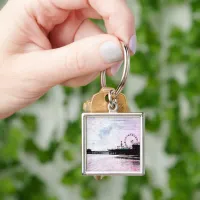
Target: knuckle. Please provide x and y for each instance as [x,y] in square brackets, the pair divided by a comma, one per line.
[43,10]
[74,62]
[129,16]
[80,64]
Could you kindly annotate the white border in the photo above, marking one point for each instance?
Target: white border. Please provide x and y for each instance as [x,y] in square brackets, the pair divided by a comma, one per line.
[84,145]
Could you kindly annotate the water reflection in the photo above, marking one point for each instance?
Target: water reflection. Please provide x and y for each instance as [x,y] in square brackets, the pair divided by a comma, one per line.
[105,162]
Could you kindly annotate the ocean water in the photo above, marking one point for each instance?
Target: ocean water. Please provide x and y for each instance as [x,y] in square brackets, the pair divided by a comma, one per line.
[106,162]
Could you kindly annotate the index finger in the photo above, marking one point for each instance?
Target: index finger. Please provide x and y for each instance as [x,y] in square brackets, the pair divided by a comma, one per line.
[118,19]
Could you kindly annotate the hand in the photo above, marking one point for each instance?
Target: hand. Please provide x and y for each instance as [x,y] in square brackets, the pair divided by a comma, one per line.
[44,43]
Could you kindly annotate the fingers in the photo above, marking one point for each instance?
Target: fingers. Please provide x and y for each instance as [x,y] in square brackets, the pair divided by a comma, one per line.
[61,36]
[118,19]
[87,56]
[116,14]
[49,13]
[70,4]
[79,29]
[87,29]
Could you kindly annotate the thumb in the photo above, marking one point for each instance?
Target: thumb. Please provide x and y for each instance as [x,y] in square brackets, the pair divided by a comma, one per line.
[92,54]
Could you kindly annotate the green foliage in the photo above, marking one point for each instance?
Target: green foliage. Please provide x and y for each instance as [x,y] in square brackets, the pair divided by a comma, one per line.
[67,90]
[178,141]
[3,130]
[133,187]
[68,155]
[174,90]
[34,189]
[157,194]
[10,147]
[195,5]
[180,181]
[72,133]
[74,177]
[30,122]
[7,186]
[42,155]
[152,124]
[150,96]
[144,64]
[155,5]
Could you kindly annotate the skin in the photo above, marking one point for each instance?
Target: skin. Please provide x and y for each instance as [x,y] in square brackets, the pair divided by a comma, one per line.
[44,43]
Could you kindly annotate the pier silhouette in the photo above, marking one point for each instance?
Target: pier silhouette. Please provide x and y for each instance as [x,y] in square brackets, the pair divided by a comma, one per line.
[135,150]
[130,146]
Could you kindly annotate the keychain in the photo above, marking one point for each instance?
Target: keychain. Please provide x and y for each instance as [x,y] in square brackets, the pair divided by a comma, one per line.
[112,136]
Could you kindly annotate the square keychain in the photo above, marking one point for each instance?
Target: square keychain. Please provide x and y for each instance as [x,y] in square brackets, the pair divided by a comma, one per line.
[112,136]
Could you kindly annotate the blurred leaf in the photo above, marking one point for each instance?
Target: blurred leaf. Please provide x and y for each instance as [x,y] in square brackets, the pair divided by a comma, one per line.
[6,164]
[180,181]
[150,96]
[148,36]
[90,186]
[91,88]
[72,177]
[177,55]
[100,23]
[144,64]
[194,34]
[194,121]
[133,186]
[7,186]
[34,190]
[30,122]
[88,183]
[3,130]
[43,97]
[73,132]
[174,89]
[178,141]
[67,90]
[176,1]
[155,5]
[178,51]
[12,144]
[68,155]
[157,194]
[153,123]
[192,161]
[192,87]
[43,155]
[195,5]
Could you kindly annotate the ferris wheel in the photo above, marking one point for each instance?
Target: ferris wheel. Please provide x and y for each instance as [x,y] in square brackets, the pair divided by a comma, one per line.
[131,139]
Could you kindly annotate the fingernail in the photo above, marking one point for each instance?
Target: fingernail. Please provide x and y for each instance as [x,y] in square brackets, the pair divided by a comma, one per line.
[133,43]
[115,68]
[111,52]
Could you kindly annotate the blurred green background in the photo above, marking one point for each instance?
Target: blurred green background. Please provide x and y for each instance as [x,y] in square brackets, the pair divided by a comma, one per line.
[40,146]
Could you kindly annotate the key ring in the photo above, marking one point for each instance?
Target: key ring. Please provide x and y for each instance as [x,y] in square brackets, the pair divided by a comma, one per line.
[124,74]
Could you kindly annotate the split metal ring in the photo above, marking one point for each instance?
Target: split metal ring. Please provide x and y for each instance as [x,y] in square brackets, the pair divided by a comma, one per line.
[124,74]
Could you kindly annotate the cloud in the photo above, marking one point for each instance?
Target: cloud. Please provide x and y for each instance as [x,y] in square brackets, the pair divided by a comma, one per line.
[105,132]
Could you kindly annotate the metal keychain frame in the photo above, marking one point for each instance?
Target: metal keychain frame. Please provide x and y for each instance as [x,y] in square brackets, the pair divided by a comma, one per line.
[84,145]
